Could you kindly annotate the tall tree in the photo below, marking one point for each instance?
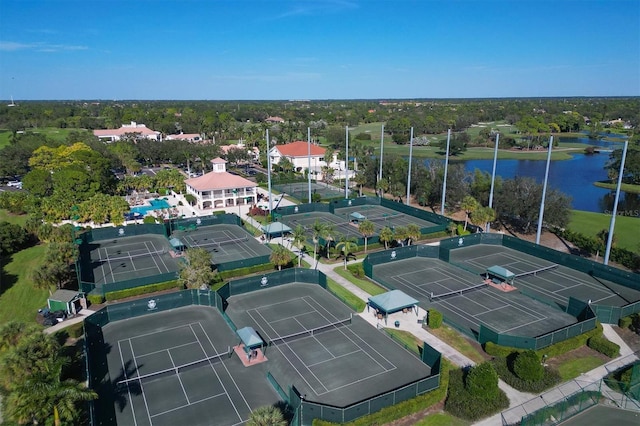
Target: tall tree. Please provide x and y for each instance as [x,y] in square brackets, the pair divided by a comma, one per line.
[299,237]
[318,231]
[413,233]
[386,236]
[280,256]
[469,205]
[367,229]
[196,271]
[346,246]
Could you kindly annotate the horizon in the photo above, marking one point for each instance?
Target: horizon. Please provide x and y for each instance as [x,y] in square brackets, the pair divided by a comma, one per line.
[315,50]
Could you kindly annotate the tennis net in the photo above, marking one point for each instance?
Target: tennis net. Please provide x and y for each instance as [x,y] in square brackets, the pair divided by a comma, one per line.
[534,273]
[131,256]
[436,297]
[308,333]
[216,244]
[215,359]
[384,217]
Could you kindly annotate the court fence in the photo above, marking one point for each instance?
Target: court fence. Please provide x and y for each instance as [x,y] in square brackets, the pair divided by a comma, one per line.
[272,279]
[606,314]
[581,310]
[115,232]
[102,410]
[192,223]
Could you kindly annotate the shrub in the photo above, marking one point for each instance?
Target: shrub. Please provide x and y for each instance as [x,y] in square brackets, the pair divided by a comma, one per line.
[625,322]
[149,219]
[482,381]
[462,403]
[363,136]
[357,270]
[434,318]
[527,366]
[95,299]
[549,378]
[137,291]
[461,231]
[604,346]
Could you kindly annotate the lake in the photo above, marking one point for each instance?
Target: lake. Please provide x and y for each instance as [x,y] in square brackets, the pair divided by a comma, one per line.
[573,177]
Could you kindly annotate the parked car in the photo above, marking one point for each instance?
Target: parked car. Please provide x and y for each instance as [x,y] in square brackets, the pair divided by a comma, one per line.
[15,183]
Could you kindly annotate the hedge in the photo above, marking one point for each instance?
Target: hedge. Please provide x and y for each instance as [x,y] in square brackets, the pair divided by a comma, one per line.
[434,319]
[591,245]
[95,299]
[145,289]
[240,272]
[550,377]
[604,346]
[461,402]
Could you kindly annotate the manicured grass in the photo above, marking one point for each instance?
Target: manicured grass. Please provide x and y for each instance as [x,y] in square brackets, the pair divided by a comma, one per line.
[406,339]
[573,368]
[442,419]
[627,230]
[345,295]
[19,299]
[365,284]
[626,187]
[459,342]
[5,135]
[5,216]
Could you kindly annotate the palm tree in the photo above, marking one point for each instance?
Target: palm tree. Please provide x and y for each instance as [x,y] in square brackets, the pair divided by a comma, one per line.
[401,233]
[299,237]
[382,186]
[11,333]
[367,229]
[318,230]
[469,205]
[360,179]
[386,236]
[346,247]
[280,256]
[329,233]
[483,215]
[266,416]
[413,233]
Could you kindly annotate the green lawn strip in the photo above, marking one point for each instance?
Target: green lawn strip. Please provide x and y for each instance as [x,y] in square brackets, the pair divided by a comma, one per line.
[364,284]
[459,342]
[575,367]
[353,301]
[627,230]
[21,300]
[406,339]
[5,216]
[626,187]
[5,136]
[442,419]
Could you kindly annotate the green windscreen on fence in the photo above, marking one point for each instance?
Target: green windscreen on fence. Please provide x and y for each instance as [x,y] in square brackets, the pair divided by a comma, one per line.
[111,233]
[273,279]
[195,222]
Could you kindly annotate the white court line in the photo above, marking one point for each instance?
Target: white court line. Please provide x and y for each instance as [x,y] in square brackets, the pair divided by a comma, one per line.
[264,321]
[124,372]
[218,376]
[144,398]
[179,379]
[104,274]
[113,279]
[153,257]
[187,405]
[168,349]
[334,356]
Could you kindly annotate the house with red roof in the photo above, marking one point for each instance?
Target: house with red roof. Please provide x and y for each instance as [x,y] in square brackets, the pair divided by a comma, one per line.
[298,153]
[219,188]
[140,130]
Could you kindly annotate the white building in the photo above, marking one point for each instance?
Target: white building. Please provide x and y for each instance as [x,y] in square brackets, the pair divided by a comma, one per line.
[219,188]
[189,137]
[140,130]
[298,154]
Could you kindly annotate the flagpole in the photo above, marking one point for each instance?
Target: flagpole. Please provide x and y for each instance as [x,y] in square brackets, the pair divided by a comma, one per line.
[615,205]
[493,178]
[544,192]
[346,162]
[409,172]
[381,151]
[446,166]
[309,157]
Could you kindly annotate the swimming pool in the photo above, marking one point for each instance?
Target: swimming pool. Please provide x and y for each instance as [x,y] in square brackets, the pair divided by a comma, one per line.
[156,204]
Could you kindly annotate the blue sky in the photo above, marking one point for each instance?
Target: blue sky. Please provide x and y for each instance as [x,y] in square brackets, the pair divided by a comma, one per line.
[318,49]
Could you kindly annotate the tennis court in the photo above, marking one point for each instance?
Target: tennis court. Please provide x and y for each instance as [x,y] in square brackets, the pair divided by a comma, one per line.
[464,299]
[315,345]
[226,243]
[173,368]
[340,225]
[557,283]
[383,216]
[127,258]
[300,190]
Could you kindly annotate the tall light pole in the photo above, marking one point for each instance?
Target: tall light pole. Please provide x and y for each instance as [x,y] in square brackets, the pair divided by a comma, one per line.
[544,192]
[381,152]
[309,158]
[346,162]
[615,205]
[493,178]
[269,175]
[446,166]
[409,172]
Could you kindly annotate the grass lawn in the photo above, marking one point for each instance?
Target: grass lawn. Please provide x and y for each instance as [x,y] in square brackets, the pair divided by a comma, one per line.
[353,301]
[5,135]
[626,187]
[626,234]
[5,216]
[459,342]
[442,419]
[573,368]
[372,288]
[406,339]
[19,300]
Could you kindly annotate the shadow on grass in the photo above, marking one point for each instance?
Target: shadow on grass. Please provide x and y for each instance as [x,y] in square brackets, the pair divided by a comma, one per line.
[7,280]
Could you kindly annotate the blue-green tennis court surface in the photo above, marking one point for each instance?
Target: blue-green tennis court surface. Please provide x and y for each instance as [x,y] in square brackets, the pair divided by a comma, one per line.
[126,258]
[601,415]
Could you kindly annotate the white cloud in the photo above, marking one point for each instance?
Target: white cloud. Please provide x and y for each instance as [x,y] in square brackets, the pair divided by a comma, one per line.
[12,46]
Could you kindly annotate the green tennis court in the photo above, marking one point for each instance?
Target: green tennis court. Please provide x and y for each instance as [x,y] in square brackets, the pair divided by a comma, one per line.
[601,415]
[468,301]
[316,346]
[175,368]
[382,216]
[226,243]
[556,284]
[300,190]
[340,226]
[127,258]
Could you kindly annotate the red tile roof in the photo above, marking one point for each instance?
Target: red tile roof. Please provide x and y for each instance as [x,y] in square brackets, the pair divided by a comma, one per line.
[300,149]
[218,160]
[219,180]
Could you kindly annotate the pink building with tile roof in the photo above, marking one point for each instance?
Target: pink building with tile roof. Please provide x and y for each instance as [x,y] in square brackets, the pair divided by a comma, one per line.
[112,135]
[219,188]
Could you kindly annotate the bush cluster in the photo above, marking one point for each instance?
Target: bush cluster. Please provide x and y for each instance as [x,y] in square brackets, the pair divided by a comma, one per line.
[357,270]
[481,399]
[620,379]
[248,270]
[527,366]
[591,245]
[604,346]
[434,319]
[95,299]
[631,322]
[550,377]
